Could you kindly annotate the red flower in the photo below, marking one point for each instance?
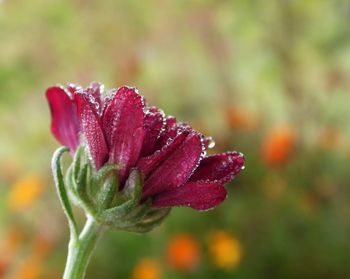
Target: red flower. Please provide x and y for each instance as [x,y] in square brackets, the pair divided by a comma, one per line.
[117,127]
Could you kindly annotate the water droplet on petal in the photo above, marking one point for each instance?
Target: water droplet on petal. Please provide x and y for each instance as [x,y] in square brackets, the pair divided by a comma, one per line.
[211,142]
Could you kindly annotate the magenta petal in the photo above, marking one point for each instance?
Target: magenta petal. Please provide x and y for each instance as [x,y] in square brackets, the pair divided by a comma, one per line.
[94,91]
[148,164]
[91,128]
[175,170]
[170,122]
[198,195]
[73,89]
[123,125]
[172,132]
[65,123]
[219,168]
[153,124]
[169,131]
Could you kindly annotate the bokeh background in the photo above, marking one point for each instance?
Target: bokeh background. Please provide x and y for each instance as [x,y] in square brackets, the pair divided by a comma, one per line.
[267,78]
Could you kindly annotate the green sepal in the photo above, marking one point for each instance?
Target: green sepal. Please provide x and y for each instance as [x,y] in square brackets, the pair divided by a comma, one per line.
[133,186]
[76,176]
[142,218]
[77,161]
[104,186]
[100,177]
[61,190]
[78,188]
[153,219]
[155,214]
[104,172]
[72,185]
[115,215]
[82,181]
[107,191]
[139,212]
[128,211]
[130,217]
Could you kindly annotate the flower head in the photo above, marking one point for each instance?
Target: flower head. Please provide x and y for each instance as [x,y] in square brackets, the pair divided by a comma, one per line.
[117,127]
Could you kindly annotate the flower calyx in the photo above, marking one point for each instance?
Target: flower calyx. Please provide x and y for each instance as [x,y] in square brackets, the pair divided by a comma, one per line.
[98,193]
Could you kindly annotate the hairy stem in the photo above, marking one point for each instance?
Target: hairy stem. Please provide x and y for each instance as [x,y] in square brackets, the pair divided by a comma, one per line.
[80,250]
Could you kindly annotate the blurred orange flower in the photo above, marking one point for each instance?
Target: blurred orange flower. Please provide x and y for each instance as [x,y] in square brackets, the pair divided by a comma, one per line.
[278,145]
[238,118]
[33,265]
[3,267]
[41,245]
[25,191]
[11,242]
[225,250]
[183,252]
[31,268]
[147,269]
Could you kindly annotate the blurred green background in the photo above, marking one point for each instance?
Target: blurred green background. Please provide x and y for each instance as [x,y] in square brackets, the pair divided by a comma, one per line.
[267,78]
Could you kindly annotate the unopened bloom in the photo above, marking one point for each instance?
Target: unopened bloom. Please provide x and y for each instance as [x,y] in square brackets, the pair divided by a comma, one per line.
[117,127]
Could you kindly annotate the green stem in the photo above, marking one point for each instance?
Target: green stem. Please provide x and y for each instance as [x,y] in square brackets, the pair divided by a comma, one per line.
[80,250]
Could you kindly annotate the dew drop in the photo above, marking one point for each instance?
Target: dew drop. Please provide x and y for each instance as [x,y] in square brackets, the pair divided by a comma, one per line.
[211,142]
[102,89]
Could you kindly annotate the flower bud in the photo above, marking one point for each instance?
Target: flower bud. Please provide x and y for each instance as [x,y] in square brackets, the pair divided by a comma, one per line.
[135,157]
